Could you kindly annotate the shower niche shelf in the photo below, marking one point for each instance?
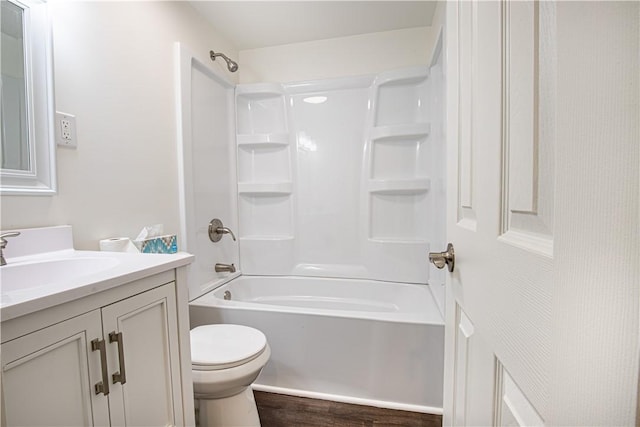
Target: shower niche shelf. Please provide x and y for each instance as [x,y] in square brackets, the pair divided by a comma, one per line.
[400,158]
[265,203]
[398,182]
[420,130]
[401,97]
[265,188]
[260,110]
[399,186]
[264,163]
[263,140]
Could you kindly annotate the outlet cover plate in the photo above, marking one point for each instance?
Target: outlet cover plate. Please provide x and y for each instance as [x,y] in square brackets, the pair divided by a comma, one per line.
[66,135]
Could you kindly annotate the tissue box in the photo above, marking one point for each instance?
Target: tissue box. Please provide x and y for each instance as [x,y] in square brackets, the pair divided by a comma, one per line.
[167,244]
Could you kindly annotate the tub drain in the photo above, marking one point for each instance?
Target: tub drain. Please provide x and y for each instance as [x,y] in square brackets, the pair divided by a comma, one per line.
[227,295]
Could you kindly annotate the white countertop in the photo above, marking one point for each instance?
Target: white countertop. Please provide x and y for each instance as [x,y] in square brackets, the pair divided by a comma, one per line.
[116,270]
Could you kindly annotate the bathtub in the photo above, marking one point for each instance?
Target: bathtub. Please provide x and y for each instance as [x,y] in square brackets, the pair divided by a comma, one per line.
[354,341]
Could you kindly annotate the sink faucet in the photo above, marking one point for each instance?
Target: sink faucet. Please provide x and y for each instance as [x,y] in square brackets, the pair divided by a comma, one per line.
[3,244]
[225,267]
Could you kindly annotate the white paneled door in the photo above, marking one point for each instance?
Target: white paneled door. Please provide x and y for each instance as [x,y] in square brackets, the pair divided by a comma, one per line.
[504,298]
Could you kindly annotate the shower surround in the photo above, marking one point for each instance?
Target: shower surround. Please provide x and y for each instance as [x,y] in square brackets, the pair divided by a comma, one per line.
[341,177]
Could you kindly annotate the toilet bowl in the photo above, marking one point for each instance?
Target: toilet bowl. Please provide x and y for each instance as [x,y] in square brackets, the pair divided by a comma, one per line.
[225,360]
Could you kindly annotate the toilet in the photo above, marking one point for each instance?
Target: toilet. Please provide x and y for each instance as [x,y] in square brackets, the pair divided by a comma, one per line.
[225,360]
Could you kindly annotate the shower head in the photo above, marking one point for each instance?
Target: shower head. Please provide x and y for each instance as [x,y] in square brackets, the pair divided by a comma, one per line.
[231,65]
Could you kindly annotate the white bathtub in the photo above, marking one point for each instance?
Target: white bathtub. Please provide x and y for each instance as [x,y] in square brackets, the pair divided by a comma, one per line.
[354,341]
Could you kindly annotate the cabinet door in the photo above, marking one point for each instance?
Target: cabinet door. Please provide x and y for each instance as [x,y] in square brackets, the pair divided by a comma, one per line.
[151,393]
[49,376]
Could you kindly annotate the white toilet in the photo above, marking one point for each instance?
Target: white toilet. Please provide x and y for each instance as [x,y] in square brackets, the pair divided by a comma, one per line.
[225,360]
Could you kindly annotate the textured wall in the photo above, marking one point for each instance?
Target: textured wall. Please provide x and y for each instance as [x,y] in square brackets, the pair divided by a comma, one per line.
[597,293]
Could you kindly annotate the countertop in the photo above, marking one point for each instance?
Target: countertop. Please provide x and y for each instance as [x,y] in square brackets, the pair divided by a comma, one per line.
[113,269]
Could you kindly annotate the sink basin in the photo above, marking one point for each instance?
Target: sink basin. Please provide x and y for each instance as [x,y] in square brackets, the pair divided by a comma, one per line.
[35,275]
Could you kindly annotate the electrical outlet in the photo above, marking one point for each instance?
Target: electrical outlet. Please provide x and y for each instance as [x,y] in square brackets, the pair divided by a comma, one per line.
[65,126]
[66,130]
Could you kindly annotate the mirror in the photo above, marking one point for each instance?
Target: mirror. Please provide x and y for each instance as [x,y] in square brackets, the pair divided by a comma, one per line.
[13,111]
[27,144]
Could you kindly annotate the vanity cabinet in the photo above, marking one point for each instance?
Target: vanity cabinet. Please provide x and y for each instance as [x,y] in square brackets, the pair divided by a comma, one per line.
[116,364]
[47,376]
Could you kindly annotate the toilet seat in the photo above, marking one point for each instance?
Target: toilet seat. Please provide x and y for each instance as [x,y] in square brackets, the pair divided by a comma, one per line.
[217,347]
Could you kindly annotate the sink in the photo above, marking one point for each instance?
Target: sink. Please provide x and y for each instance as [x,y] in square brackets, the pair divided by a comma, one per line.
[44,270]
[27,277]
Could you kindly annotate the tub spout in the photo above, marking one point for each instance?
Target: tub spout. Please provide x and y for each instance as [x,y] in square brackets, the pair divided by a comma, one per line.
[225,267]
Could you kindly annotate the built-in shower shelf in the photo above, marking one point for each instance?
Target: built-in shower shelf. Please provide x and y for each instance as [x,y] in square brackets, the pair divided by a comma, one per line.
[263,140]
[259,91]
[401,98]
[399,186]
[265,188]
[419,130]
[260,109]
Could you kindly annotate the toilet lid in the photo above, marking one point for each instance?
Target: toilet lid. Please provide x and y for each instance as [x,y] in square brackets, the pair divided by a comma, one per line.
[224,346]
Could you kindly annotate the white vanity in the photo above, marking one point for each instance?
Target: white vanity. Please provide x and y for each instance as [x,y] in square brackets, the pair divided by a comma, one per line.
[92,338]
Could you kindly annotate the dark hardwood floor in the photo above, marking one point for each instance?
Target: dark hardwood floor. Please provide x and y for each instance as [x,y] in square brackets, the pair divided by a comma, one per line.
[279,410]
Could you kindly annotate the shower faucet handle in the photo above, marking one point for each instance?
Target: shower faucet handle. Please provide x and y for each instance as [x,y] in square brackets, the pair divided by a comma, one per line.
[217,229]
[225,230]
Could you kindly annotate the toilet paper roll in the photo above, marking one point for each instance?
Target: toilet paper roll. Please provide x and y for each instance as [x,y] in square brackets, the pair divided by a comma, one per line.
[118,244]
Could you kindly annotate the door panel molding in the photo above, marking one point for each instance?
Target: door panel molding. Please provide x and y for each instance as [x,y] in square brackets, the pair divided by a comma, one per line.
[511,407]
[464,332]
[467,60]
[528,81]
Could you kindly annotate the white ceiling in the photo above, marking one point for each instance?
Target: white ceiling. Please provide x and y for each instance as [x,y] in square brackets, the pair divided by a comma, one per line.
[255,24]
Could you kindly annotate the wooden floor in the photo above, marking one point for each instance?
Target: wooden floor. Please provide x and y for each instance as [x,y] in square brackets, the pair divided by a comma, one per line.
[279,410]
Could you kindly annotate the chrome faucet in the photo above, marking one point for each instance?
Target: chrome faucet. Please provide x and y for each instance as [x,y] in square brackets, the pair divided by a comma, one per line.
[225,267]
[3,244]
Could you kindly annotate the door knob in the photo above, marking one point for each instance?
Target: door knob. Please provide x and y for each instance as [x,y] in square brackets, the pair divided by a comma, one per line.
[440,259]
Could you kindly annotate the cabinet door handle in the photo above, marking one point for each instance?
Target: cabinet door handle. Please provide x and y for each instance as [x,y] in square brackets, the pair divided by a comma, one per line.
[121,376]
[102,386]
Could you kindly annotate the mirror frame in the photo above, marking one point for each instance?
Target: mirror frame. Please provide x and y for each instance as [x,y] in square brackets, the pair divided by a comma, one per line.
[38,45]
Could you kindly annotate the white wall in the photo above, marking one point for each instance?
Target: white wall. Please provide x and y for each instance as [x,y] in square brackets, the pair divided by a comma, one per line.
[114,70]
[338,57]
